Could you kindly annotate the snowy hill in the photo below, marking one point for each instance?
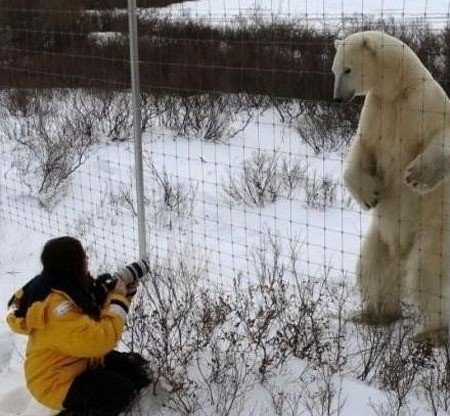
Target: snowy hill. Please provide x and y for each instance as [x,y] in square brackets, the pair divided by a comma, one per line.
[221,10]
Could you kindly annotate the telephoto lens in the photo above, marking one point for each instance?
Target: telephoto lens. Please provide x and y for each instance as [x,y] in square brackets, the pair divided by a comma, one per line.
[129,274]
[133,272]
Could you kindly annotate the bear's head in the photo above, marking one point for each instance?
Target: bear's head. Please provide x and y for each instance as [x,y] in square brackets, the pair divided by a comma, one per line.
[370,61]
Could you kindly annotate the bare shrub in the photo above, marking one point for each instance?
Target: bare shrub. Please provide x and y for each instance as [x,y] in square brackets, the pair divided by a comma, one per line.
[165,324]
[265,178]
[20,102]
[390,357]
[12,129]
[258,183]
[373,343]
[289,110]
[177,324]
[226,372]
[84,225]
[83,109]
[285,313]
[152,108]
[17,105]
[123,199]
[338,295]
[258,306]
[391,407]
[105,112]
[303,329]
[402,363]
[110,111]
[52,142]
[395,361]
[435,382]
[118,120]
[172,198]
[320,192]
[318,392]
[209,117]
[285,403]
[327,127]
[322,392]
[210,346]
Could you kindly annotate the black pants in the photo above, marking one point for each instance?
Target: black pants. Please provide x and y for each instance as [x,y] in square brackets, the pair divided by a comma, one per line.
[108,390]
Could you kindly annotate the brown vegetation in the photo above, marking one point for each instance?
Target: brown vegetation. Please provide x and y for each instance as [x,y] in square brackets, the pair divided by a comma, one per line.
[50,44]
[57,44]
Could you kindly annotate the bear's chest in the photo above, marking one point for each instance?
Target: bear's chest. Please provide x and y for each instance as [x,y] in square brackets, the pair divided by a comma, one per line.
[397,139]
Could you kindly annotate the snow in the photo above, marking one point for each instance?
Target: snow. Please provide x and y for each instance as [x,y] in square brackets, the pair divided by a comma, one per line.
[6,348]
[224,235]
[19,402]
[93,207]
[102,38]
[436,11]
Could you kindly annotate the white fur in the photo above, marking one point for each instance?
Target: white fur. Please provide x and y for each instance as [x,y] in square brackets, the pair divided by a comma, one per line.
[398,167]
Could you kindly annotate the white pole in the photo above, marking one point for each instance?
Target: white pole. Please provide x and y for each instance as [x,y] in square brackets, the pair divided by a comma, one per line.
[136,101]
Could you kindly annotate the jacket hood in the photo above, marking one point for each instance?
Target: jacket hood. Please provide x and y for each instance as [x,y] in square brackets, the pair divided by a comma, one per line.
[34,317]
[28,305]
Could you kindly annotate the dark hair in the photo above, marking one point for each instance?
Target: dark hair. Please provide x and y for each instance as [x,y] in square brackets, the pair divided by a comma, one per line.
[64,258]
[64,262]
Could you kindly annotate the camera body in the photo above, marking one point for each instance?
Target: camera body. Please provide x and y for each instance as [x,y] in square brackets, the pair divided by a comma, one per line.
[129,274]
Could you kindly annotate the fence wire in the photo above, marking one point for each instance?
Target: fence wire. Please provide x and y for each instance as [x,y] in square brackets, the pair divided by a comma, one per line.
[242,141]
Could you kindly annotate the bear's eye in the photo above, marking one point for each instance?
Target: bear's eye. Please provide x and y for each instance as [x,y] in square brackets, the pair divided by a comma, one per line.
[347,71]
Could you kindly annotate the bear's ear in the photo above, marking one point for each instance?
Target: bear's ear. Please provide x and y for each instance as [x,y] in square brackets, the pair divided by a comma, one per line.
[367,44]
[337,43]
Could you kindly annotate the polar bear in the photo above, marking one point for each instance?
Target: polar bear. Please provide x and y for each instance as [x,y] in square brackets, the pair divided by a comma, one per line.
[397,167]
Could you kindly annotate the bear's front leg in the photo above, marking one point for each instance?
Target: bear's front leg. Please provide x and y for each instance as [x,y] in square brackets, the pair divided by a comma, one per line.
[364,188]
[359,176]
[428,169]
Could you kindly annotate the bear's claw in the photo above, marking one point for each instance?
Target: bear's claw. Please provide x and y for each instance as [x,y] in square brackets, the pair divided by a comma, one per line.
[422,177]
[374,202]
[364,188]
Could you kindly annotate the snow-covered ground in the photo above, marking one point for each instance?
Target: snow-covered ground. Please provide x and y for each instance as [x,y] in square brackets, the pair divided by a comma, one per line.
[436,11]
[19,259]
[96,205]
[95,208]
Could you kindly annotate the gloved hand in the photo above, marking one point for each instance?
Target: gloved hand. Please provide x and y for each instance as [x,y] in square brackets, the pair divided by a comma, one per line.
[120,288]
[132,289]
[102,286]
[130,276]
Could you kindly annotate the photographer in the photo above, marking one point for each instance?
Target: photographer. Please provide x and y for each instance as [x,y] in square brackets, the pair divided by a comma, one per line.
[73,323]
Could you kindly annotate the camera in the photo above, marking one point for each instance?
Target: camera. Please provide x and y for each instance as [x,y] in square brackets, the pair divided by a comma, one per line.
[129,274]
[133,272]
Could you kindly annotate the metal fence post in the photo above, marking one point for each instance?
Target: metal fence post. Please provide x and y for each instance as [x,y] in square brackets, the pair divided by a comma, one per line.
[136,102]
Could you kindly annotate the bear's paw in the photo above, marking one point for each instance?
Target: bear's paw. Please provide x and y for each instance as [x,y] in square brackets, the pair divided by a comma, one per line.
[364,188]
[422,176]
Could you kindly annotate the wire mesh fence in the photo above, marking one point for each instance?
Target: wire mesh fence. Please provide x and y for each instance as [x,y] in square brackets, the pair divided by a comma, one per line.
[243,145]
[241,135]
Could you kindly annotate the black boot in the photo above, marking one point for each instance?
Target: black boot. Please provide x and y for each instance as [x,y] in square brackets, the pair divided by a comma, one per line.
[131,365]
[143,376]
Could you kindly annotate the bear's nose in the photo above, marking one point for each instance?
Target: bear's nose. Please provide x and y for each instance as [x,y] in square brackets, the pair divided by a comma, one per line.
[338,99]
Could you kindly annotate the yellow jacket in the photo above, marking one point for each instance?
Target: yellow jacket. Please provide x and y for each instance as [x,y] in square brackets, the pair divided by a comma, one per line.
[63,341]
